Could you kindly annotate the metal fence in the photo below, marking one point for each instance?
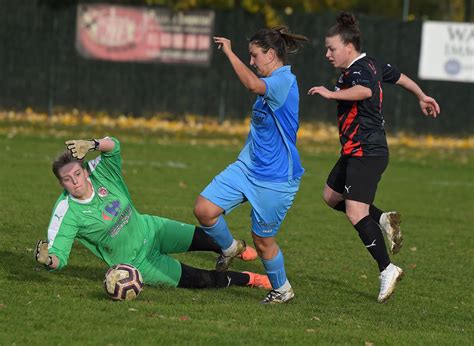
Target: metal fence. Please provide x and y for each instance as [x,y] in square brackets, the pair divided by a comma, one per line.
[40,68]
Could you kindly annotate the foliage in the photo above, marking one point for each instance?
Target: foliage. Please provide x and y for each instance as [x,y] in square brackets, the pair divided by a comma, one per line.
[274,10]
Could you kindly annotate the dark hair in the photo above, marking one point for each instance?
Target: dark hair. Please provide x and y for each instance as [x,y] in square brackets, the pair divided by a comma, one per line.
[348,28]
[280,39]
[62,160]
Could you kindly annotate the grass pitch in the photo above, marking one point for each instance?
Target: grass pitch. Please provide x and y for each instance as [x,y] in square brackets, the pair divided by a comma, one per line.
[334,278]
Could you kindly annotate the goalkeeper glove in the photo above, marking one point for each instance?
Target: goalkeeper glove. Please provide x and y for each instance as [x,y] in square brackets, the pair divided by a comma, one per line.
[42,254]
[80,147]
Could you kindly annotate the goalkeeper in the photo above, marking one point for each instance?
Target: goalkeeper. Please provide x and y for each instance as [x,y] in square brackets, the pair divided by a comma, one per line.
[96,209]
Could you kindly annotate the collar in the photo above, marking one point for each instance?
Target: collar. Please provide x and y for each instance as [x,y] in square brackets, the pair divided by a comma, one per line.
[84,201]
[282,69]
[359,57]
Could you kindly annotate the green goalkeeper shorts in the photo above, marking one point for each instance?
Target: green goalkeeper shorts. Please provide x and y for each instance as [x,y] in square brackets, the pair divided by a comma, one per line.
[170,237]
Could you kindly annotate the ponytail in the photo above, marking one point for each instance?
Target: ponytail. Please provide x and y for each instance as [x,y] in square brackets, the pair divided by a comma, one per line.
[280,39]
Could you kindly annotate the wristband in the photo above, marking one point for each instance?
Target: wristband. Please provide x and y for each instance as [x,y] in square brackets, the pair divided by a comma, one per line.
[96,144]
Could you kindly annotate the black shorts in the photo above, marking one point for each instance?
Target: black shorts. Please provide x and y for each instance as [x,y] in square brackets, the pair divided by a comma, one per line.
[356,178]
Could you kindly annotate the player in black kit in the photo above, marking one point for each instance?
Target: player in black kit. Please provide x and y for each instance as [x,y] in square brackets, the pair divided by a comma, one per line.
[352,183]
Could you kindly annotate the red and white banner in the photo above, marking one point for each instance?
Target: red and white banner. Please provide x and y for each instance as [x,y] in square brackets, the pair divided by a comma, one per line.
[122,33]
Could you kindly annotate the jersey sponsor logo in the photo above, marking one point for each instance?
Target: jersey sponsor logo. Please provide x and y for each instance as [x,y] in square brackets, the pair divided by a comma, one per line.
[102,192]
[122,220]
[111,210]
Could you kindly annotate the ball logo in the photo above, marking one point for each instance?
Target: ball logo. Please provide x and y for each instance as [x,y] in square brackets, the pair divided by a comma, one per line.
[111,210]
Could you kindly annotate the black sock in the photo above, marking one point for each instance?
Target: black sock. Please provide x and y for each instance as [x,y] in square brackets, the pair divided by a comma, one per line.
[371,235]
[374,212]
[202,242]
[200,278]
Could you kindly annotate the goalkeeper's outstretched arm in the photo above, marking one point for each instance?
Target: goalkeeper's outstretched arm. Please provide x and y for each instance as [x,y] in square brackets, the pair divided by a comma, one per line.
[42,255]
[80,147]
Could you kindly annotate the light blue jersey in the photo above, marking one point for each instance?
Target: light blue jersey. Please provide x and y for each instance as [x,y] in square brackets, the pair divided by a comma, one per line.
[270,152]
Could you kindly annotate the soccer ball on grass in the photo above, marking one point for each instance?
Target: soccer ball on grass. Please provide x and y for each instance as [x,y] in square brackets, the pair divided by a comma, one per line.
[123,282]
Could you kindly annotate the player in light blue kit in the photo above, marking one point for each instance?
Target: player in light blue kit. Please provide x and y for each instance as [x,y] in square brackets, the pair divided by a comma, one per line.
[268,170]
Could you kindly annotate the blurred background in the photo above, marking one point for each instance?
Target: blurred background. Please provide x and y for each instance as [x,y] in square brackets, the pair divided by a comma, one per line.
[149,57]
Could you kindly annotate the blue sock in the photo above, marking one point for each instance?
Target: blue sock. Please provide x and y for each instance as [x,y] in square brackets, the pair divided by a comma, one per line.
[220,233]
[275,269]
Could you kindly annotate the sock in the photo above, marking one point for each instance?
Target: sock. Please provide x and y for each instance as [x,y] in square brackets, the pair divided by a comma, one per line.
[231,249]
[220,233]
[372,237]
[199,278]
[275,269]
[374,212]
[202,242]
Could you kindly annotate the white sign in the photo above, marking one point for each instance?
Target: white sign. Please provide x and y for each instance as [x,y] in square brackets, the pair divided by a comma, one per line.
[447,51]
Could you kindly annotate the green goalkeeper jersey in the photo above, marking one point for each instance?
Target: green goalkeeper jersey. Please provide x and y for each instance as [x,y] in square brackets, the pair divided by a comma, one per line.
[107,223]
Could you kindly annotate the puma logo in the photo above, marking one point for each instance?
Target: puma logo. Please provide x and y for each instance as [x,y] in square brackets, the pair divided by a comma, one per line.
[347,188]
[373,244]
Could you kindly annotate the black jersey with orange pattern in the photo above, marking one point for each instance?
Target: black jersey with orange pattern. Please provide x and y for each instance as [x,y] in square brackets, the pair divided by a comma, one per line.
[361,123]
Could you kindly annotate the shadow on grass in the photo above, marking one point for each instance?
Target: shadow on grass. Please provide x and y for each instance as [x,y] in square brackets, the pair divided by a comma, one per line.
[334,285]
[22,267]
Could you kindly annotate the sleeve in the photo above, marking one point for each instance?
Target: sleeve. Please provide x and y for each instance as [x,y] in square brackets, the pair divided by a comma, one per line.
[359,76]
[62,231]
[390,73]
[277,89]
[108,164]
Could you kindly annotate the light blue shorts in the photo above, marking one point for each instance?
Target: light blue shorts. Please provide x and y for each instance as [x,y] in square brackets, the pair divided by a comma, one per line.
[270,201]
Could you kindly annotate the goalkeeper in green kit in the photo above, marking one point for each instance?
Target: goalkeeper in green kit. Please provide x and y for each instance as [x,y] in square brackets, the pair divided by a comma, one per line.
[96,208]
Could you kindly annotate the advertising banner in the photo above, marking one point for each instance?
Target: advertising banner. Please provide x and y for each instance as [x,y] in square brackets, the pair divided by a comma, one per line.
[123,33]
[447,51]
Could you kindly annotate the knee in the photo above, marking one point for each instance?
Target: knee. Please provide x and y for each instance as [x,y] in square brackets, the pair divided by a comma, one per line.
[205,214]
[331,197]
[327,198]
[201,214]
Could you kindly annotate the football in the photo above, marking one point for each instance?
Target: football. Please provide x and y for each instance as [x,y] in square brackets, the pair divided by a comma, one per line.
[123,282]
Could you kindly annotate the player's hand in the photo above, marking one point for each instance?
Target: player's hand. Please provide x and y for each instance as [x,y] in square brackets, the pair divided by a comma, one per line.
[79,147]
[42,254]
[324,92]
[223,44]
[429,106]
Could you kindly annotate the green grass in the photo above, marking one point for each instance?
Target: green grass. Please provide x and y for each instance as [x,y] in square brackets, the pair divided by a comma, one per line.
[335,279]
